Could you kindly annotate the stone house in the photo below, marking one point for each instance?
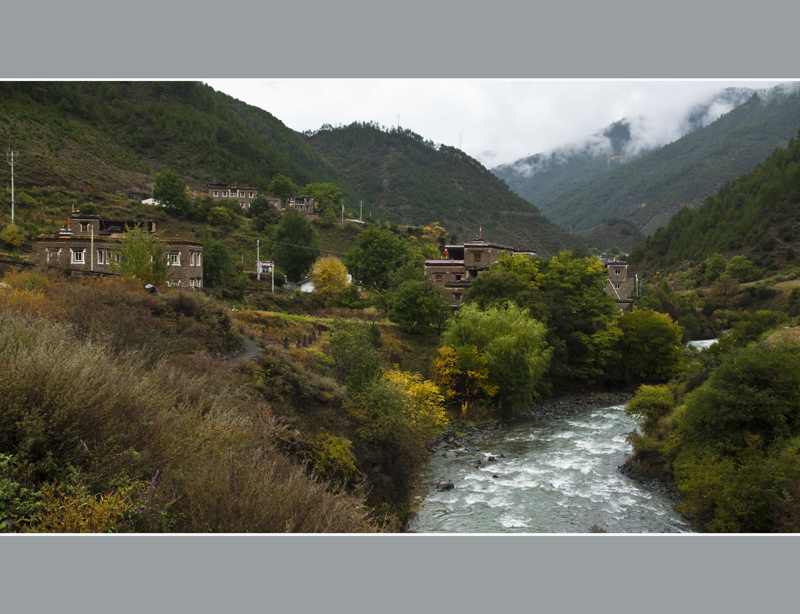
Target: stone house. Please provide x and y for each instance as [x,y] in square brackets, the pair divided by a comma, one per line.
[463,263]
[86,244]
[243,195]
[619,285]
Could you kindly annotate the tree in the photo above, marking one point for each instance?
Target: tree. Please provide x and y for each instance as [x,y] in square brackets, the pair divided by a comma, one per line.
[218,269]
[418,307]
[170,191]
[295,245]
[742,269]
[715,267]
[377,254]
[282,187]
[514,346]
[324,194]
[650,347]
[12,236]
[330,277]
[140,254]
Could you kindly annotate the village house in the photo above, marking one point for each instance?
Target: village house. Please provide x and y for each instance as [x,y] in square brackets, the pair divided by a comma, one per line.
[463,263]
[619,285]
[243,195]
[86,244]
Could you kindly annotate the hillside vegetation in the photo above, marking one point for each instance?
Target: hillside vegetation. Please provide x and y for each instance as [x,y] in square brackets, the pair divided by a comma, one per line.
[412,181]
[544,177]
[115,136]
[754,215]
[649,190]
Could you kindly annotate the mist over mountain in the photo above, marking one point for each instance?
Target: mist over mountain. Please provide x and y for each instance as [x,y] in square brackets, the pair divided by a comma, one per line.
[543,177]
[647,189]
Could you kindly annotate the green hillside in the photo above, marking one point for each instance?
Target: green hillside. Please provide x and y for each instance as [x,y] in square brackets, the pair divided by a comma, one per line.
[649,190]
[115,136]
[412,181]
[755,215]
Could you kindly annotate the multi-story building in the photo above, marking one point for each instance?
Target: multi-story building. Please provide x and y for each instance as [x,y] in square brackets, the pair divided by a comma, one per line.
[86,244]
[305,204]
[463,263]
[243,195]
[619,286]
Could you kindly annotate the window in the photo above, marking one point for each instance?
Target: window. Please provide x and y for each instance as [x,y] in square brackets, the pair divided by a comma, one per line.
[77,256]
[101,257]
[191,258]
[251,195]
[476,256]
[617,286]
[175,259]
[438,278]
[617,271]
[53,255]
[216,193]
[458,277]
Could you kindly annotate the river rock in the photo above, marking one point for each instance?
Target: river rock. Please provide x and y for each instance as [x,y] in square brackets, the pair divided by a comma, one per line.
[450,454]
[442,486]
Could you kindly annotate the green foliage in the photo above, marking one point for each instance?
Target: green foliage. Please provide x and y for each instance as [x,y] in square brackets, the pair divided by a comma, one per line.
[353,343]
[418,307]
[742,269]
[750,216]
[218,269]
[282,187]
[514,346]
[170,191]
[12,236]
[715,267]
[650,403]
[295,245]
[141,255]
[650,349]
[333,459]
[378,253]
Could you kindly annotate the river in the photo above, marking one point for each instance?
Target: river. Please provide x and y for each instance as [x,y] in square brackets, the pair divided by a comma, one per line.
[549,476]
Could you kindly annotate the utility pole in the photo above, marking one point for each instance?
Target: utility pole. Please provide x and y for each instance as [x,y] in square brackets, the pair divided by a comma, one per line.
[361,210]
[258,259]
[341,202]
[10,154]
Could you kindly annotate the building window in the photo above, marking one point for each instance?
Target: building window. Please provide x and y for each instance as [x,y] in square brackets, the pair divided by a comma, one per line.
[101,257]
[53,255]
[617,286]
[458,277]
[617,271]
[251,195]
[216,193]
[191,258]
[175,259]
[476,256]
[438,278]
[77,257]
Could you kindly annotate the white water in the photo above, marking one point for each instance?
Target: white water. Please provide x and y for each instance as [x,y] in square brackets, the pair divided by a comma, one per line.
[565,479]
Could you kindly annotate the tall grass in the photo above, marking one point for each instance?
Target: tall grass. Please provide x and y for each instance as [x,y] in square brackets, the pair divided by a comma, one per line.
[73,407]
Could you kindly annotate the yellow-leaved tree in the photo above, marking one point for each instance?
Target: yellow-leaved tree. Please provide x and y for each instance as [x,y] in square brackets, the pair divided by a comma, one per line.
[329,276]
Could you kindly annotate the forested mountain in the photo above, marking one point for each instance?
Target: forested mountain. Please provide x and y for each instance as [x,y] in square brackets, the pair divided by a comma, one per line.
[115,136]
[649,190]
[543,177]
[755,215]
[412,181]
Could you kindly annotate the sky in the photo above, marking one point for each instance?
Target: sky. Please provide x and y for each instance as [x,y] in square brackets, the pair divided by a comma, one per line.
[494,121]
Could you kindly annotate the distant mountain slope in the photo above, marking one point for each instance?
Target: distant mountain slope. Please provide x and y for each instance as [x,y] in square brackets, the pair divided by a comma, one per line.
[412,181]
[754,215]
[115,136]
[649,190]
[544,177]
